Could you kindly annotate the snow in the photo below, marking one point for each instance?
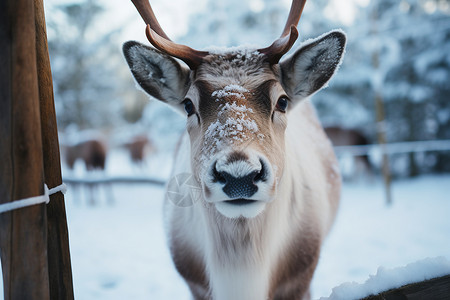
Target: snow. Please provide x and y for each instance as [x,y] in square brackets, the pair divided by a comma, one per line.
[235,127]
[119,250]
[368,234]
[231,129]
[242,51]
[387,279]
[230,90]
[239,109]
[235,87]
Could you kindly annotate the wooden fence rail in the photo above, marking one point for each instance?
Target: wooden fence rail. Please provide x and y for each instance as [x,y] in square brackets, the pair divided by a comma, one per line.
[114,179]
[394,148]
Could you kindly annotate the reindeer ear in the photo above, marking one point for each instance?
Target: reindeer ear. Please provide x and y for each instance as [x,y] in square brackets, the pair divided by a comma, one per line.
[313,65]
[158,74]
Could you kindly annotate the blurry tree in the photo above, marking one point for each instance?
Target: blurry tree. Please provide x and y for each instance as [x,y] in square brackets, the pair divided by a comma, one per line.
[86,66]
[412,39]
[414,79]
[237,22]
[348,101]
[134,107]
[417,86]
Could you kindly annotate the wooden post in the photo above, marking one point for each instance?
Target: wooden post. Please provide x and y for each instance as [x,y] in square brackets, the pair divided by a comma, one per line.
[33,240]
[381,134]
[59,266]
[380,115]
[23,232]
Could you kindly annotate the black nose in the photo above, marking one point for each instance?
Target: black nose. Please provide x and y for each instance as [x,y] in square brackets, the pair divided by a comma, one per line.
[239,187]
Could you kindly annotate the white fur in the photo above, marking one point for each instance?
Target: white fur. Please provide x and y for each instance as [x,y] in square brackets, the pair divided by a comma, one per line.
[241,247]
[240,282]
[243,277]
[235,211]
[248,277]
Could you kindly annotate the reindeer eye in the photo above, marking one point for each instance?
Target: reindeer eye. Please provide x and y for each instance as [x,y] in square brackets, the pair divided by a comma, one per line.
[188,106]
[282,103]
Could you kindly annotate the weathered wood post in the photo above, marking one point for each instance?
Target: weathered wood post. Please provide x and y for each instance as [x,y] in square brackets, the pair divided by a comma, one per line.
[33,244]
[23,233]
[377,81]
[59,266]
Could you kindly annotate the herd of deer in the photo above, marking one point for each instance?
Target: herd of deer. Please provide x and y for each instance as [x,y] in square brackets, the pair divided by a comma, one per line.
[93,152]
[269,179]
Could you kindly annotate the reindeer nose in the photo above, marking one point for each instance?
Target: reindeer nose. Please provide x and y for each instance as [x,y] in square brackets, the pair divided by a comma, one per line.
[239,187]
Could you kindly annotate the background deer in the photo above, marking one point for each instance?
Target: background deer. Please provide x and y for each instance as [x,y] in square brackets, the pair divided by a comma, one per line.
[351,137]
[93,153]
[138,147]
[269,178]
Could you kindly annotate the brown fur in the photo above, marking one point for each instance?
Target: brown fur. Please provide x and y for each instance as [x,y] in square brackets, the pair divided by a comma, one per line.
[192,269]
[237,156]
[137,148]
[91,152]
[350,137]
[243,237]
[237,125]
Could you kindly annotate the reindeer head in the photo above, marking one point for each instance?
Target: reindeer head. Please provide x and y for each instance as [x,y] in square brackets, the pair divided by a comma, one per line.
[236,104]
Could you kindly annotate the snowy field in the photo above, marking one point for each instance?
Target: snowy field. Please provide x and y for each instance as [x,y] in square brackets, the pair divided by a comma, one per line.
[119,252]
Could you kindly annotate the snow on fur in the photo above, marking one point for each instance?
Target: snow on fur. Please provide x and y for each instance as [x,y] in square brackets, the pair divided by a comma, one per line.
[237,126]
[230,90]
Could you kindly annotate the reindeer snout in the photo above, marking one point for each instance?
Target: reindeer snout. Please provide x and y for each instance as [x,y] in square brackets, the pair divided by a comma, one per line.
[239,178]
[239,183]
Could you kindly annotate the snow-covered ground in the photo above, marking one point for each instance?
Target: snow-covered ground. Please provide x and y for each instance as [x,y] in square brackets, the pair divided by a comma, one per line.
[119,252]
[368,234]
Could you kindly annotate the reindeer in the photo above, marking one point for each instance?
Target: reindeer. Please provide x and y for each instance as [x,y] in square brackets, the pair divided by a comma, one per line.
[268,176]
[138,148]
[93,153]
[351,137]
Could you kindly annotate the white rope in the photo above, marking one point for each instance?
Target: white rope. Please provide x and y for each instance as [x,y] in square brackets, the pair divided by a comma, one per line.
[33,200]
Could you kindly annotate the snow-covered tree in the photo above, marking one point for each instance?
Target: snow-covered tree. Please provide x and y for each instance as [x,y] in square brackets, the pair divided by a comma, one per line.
[237,22]
[413,80]
[400,50]
[84,66]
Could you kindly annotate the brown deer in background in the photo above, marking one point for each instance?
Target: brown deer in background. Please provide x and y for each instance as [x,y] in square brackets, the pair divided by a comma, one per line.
[139,147]
[269,180]
[92,152]
[351,137]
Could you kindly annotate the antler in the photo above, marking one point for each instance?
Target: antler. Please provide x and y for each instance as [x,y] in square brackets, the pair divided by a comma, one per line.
[145,10]
[289,35]
[193,58]
[294,16]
